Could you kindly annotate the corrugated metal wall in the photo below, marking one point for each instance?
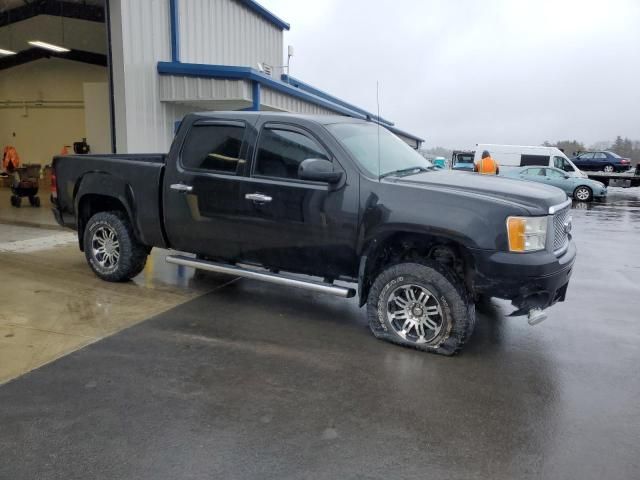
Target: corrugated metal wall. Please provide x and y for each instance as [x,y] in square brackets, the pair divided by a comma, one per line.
[143,26]
[279,101]
[224,32]
[173,88]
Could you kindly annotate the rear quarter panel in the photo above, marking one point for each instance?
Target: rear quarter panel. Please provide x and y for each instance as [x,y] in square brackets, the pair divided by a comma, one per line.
[133,180]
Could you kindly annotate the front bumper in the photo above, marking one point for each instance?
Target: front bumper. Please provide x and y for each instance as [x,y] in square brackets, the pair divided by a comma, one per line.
[529,280]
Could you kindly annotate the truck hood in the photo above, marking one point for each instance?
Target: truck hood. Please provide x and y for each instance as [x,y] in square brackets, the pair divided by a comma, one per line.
[532,196]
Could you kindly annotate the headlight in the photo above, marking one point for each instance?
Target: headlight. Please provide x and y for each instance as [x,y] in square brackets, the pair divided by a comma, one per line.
[527,234]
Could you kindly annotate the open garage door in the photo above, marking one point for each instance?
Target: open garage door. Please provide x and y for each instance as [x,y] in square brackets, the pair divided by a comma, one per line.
[54,82]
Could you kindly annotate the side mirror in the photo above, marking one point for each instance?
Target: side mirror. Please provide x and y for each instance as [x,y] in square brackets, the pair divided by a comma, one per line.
[318,170]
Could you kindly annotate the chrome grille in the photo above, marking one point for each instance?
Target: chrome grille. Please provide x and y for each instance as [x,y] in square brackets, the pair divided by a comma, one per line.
[560,235]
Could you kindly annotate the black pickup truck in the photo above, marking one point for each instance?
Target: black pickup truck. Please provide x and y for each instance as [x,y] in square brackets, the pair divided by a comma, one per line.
[305,201]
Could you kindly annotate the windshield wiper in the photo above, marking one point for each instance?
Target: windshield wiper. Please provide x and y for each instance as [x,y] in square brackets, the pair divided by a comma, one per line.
[406,171]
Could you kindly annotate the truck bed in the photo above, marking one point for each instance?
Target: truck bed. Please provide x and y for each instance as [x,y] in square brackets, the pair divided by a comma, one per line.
[134,179]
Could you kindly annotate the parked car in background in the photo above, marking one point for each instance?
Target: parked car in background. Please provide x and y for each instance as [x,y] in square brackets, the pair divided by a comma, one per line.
[516,156]
[462,160]
[583,189]
[439,162]
[602,161]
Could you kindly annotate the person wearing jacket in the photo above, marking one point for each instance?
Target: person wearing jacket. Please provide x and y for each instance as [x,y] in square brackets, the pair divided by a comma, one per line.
[10,163]
[487,165]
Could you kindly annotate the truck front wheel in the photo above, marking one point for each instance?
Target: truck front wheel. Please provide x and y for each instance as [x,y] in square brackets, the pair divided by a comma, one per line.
[421,305]
[111,249]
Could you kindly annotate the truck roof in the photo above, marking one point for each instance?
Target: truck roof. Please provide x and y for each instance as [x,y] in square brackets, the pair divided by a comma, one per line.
[322,119]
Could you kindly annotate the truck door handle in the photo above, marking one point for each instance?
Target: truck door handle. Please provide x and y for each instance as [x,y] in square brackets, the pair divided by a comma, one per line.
[181,187]
[258,197]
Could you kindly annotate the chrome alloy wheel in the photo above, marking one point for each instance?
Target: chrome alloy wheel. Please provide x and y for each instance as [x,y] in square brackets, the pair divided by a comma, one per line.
[583,194]
[105,247]
[414,313]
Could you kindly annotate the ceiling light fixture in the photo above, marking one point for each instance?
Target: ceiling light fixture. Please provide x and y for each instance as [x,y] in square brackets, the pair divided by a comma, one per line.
[48,46]
[6,52]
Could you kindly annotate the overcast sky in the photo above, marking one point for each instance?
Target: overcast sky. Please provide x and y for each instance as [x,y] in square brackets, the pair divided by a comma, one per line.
[460,72]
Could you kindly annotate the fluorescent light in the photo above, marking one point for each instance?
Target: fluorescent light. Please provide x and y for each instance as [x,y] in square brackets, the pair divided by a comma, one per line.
[6,52]
[48,46]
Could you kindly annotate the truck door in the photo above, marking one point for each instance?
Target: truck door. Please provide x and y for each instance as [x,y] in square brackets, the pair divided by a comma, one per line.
[293,224]
[201,189]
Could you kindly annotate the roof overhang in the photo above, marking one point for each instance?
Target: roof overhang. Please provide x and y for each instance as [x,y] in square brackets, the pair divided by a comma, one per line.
[296,89]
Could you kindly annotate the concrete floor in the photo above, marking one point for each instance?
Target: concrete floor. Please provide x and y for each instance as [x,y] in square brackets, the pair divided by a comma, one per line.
[256,381]
[27,215]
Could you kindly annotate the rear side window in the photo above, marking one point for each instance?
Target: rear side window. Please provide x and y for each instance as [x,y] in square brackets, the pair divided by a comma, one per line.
[586,156]
[532,172]
[600,156]
[526,160]
[280,152]
[215,148]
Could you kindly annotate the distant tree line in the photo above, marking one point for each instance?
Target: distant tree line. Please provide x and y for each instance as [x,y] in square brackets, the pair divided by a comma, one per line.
[625,147]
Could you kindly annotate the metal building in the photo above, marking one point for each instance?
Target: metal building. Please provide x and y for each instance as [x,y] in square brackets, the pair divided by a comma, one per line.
[155,61]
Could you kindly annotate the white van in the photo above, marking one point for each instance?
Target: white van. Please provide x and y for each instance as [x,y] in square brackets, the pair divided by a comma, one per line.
[509,156]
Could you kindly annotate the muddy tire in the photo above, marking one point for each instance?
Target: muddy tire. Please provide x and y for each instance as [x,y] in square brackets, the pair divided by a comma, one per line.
[111,249]
[421,305]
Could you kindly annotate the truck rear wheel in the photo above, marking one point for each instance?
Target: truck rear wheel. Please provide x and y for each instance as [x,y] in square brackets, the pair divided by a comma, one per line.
[111,249]
[421,305]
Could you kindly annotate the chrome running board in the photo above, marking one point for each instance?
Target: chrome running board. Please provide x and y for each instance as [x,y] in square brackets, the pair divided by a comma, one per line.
[264,276]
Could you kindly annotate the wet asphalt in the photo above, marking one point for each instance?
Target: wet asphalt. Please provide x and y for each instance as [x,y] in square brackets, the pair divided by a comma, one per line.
[257,381]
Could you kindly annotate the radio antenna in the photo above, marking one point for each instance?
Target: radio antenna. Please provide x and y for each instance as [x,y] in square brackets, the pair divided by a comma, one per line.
[378,122]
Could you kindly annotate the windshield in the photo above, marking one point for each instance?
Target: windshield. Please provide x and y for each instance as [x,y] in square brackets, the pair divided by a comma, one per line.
[361,140]
[464,159]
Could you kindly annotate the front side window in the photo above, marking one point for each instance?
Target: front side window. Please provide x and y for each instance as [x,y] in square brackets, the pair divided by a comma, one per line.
[554,173]
[562,164]
[280,152]
[376,149]
[215,148]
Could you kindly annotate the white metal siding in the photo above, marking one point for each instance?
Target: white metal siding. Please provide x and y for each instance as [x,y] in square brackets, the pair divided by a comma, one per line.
[178,89]
[225,32]
[278,101]
[143,28]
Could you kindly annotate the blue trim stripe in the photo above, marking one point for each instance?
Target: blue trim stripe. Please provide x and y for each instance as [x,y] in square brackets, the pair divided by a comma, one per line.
[313,90]
[259,79]
[260,10]
[255,90]
[174,25]
[248,73]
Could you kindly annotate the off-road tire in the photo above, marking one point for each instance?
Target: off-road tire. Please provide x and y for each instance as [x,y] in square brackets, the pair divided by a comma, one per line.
[457,307]
[132,254]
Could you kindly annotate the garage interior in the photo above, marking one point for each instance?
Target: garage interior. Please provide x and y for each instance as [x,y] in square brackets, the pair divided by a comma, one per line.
[54,83]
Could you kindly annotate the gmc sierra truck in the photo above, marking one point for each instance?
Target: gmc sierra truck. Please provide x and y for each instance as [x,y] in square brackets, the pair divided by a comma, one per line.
[308,201]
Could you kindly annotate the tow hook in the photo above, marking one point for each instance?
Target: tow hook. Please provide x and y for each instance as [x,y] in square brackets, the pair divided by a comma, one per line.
[536,316]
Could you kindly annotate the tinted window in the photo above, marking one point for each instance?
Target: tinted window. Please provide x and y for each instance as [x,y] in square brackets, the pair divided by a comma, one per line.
[214,147]
[533,160]
[280,152]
